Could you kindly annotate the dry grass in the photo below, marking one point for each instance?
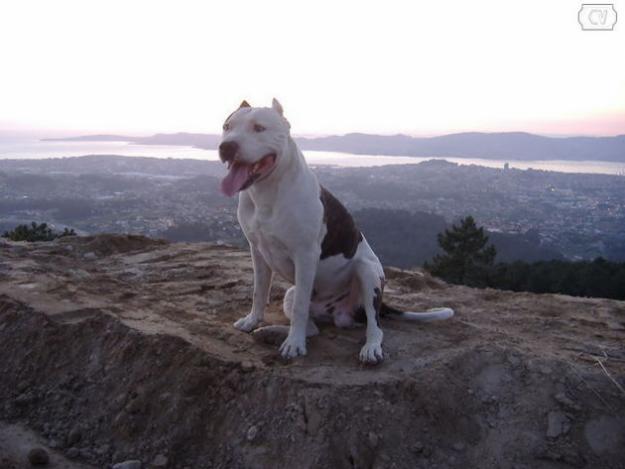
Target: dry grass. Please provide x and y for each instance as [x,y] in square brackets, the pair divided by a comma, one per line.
[600,362]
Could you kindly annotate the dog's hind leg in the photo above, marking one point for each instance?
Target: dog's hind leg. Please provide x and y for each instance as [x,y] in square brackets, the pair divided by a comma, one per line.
[262,286]
[276,333]
[287,306]
[371,289]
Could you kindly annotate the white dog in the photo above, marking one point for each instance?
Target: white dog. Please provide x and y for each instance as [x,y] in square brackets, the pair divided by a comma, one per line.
[296,228]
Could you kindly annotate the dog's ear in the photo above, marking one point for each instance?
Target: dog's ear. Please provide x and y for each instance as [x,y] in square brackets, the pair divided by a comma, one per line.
[276,106]
[244,103]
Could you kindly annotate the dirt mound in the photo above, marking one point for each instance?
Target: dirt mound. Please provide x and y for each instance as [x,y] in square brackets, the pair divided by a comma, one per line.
[414,279]
[108,244]
[131,355]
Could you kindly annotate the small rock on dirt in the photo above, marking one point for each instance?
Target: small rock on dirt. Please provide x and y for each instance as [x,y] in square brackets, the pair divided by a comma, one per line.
[23,399]
[557,424]
[72,452]
[38,457]
[160,461]
[252,432]
[74,436]
[130,464]
[54,444]
[247,366]
[417,447]
[565,401]
[270,335]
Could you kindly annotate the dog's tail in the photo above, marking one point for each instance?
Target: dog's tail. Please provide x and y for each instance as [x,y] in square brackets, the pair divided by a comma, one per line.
[436,314]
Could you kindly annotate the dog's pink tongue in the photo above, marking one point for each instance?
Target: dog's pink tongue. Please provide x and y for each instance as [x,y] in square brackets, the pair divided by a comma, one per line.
[234,181]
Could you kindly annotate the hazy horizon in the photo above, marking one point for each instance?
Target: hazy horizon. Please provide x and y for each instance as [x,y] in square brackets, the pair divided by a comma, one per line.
[38,134]
[417,69]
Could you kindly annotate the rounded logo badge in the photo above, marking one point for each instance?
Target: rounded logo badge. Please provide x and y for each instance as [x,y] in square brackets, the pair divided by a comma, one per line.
[597,17]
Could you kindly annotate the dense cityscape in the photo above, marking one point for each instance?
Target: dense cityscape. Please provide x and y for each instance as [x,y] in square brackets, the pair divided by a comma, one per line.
[581,216]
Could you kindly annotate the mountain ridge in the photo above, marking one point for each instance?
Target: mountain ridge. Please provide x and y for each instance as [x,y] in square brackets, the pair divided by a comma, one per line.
[485,145]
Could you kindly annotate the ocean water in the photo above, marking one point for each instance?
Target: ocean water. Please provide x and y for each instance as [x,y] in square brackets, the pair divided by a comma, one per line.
[40,149]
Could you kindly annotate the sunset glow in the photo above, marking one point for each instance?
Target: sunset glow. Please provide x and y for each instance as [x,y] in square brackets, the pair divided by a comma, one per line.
[417,68]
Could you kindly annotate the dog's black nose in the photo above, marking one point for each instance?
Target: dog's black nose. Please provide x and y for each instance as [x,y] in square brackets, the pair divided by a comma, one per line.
[228,150]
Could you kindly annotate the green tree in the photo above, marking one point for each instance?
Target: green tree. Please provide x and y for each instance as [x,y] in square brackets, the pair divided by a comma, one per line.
[468,259]
[35,232]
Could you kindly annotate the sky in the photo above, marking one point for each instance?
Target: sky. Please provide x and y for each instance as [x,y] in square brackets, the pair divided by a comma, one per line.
[420,68]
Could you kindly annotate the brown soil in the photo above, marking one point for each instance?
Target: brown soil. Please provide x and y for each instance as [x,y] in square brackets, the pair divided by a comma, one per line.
[116,347]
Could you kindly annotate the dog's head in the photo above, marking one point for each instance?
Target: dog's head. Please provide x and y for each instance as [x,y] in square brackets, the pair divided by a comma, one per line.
[252,145]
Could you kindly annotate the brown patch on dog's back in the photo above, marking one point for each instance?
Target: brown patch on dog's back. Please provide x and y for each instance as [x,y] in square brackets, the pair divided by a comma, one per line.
[342,236]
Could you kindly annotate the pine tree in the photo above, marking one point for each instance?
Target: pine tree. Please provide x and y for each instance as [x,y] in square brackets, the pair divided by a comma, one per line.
[467,259]
[35,232]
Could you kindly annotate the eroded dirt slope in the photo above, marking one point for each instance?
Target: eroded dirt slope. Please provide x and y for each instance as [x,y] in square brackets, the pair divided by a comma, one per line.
[119,347]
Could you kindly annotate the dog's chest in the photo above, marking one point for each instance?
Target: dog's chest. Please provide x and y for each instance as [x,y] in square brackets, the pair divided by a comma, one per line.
[271,237]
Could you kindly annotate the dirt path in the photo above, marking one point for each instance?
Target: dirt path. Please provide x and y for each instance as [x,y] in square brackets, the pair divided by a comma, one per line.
[129,342]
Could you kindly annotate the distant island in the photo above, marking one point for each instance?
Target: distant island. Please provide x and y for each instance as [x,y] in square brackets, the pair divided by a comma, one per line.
[205,141]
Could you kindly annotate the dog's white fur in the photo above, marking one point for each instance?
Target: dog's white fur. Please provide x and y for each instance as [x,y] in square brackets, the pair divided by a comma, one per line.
[282,216]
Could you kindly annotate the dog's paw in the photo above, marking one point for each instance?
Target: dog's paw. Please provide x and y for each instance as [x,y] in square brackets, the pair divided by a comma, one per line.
[293,346]
[247,323]
[371,353]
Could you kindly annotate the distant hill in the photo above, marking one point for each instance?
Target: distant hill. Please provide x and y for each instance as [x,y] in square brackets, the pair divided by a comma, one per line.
[501,145]
[507,145]
[413,238]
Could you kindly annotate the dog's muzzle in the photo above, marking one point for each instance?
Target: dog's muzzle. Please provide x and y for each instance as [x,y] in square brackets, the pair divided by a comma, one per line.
[242,175]
[227,151]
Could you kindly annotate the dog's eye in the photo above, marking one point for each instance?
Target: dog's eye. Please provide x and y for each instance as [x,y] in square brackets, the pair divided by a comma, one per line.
[258,128]
[226,126]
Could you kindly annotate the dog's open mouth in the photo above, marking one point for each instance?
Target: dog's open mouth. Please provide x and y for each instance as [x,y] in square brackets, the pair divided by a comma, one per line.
[242,175]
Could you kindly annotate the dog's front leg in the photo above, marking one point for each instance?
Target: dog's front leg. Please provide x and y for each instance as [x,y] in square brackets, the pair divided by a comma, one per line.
[262,286]
[306,262]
